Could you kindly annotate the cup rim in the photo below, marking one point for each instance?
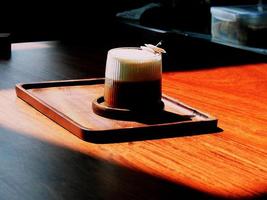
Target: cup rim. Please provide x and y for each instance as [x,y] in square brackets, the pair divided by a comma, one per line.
[153,55]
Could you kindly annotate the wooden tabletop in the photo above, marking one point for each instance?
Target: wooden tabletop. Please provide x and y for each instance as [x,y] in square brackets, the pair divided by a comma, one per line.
[41,160]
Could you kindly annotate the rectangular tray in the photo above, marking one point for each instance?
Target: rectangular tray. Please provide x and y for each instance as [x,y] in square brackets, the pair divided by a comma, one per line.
[69,103]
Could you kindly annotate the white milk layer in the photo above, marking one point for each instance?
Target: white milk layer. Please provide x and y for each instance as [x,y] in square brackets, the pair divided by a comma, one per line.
[133,64]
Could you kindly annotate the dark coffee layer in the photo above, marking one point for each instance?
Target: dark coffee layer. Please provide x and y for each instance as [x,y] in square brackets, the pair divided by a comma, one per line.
[132,95]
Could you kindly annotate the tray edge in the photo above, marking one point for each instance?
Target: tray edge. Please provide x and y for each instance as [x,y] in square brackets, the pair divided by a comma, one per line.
[81,131]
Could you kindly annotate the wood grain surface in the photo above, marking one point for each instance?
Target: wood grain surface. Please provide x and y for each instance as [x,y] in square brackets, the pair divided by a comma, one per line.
[41,160]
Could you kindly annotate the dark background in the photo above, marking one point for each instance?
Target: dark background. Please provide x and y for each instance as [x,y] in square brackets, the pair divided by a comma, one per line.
[94,24]
[71,20]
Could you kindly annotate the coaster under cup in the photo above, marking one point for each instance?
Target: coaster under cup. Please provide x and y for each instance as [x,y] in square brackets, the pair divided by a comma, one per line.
[100,108]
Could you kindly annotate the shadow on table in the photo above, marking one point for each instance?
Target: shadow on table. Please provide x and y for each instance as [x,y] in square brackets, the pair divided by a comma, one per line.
[183,53]
[191,54]
[35,169]
[152,133]
[156,125]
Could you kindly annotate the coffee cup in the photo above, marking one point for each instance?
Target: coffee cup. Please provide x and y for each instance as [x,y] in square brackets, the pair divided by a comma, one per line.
[133,79]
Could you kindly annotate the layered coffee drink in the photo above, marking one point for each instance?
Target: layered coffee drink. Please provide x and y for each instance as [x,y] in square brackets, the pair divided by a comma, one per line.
[133,79]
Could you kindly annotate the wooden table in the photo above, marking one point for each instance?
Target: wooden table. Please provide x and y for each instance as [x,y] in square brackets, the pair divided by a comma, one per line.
[41,160]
